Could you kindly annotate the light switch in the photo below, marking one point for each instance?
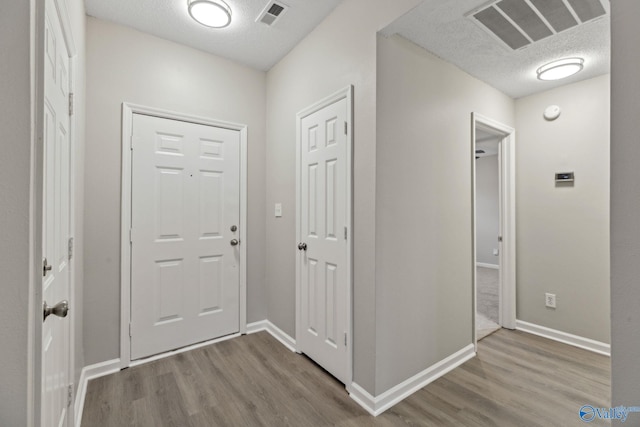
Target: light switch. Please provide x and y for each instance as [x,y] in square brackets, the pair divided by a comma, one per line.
[278,210]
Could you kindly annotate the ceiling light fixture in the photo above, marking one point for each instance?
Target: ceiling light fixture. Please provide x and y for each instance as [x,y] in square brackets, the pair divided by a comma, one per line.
[560,69]
[210,13]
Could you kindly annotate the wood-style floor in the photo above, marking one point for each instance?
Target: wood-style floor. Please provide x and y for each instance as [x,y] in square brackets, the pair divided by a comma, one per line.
[517,379]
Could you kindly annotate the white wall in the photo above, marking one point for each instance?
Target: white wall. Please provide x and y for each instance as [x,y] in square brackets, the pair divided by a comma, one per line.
[625,204]
[339,52]
[15,170]
[124,65]
[423,214]
[487,209]
[563,231]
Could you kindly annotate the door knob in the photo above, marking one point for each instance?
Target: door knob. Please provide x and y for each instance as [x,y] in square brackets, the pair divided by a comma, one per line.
[234,242]
[302,246]
[61,309]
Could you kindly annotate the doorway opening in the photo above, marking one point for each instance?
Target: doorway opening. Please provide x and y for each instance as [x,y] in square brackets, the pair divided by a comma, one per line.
[493,266]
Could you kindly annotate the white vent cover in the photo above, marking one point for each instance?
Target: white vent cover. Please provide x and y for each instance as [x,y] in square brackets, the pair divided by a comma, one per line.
[272,12]
[520,23]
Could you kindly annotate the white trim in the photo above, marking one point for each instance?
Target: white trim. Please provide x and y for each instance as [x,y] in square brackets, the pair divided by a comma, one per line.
[564,337]
[277,333]
[128,110]
[89,373]
[507,199]
[346,93]
[375,405]
[485,265]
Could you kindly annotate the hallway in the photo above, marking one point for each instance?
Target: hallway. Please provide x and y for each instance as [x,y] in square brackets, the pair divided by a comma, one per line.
[516,379]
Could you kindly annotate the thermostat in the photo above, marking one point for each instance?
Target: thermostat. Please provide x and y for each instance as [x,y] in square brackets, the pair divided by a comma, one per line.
[564,177]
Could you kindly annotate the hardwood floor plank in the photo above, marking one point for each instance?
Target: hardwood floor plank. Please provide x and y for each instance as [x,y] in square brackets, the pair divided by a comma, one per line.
[517,379]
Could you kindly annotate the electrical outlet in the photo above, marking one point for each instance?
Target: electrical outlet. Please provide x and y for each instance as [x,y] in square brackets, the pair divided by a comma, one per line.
[550,300]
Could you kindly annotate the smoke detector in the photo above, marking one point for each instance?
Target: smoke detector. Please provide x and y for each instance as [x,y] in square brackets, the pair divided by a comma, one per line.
[272,12]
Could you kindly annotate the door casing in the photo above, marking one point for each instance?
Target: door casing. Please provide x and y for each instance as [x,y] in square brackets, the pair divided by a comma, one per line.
[128,110]
[507,197]
[346,93]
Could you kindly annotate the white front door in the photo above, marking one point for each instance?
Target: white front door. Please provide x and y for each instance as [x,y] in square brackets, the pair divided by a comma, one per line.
[56,224]
[184,234]
[323,247]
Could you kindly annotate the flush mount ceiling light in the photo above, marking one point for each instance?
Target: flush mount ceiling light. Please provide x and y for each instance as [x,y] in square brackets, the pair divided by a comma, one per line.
[560,69]
[210,13]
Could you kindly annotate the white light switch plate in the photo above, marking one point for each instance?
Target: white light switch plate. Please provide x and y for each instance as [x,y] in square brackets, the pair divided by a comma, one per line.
[278,210]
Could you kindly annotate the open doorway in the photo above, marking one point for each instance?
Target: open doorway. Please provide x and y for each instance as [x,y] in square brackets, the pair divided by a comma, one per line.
[494,226]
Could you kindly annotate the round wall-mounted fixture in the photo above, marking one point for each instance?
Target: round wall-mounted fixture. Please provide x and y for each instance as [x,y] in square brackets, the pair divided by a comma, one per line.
[210,13]
[552,112]
[560,69]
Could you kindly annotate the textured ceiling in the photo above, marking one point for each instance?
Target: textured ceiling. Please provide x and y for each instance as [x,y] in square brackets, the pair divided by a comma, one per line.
[440,27]
[246,41]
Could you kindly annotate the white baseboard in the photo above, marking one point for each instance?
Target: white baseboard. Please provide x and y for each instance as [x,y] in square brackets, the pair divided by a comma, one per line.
[88,373]
[564,337]
[277,333]
[375,405]
[485,265]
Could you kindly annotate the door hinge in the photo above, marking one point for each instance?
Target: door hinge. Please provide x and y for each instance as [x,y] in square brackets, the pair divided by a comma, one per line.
[131,235]
[71,103]
[345,339]
[345,127]
[70,248]
[345,232]
[70,395]
[130,334]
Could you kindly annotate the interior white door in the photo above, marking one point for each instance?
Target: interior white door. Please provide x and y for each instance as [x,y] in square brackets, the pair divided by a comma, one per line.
[185,237]
[323,250]
[56,223]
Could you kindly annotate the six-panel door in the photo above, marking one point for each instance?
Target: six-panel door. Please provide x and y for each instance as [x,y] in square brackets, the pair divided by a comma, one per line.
[323,212]
[185,262]
[56,222]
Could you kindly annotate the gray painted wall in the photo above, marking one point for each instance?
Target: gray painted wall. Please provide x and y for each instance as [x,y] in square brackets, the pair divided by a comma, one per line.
[563,231]
[15,171]
[487,209]
[423,207]
[339,52]
[625,204]
[126,65]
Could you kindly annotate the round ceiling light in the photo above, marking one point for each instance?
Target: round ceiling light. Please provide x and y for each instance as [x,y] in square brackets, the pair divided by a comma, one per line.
[560,69]
[210,13]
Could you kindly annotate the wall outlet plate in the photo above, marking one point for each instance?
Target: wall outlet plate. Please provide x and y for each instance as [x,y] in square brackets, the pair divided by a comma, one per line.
[550,300]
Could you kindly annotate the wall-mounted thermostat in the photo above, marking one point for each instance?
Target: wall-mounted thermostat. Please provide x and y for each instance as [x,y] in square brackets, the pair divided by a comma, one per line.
[564,177]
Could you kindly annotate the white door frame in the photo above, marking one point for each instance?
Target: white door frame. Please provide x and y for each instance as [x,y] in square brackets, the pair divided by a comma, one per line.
[34,403]
[346,93]
[128,110]
[507,197]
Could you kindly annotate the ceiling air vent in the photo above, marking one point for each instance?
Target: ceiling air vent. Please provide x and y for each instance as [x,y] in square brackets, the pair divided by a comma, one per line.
[272,12]
[520,23]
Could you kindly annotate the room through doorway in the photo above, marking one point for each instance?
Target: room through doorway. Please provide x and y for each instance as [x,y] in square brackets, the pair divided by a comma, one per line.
[494,227]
